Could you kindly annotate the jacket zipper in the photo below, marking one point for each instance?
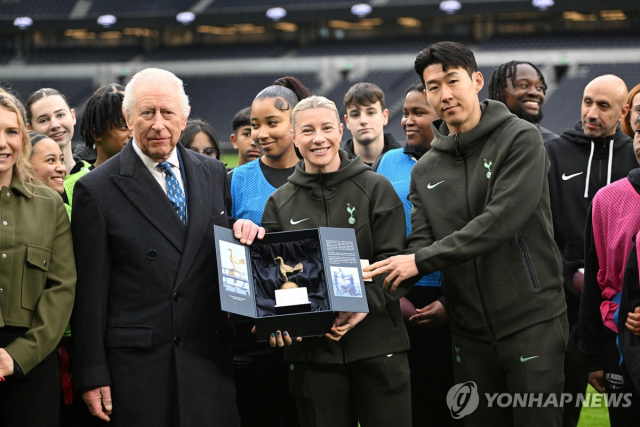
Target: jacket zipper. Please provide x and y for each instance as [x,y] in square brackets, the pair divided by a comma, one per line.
[325,209]
[527,260]
[459,153]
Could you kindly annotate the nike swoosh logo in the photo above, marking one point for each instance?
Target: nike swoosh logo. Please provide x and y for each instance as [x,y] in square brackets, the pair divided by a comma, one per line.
[297,222]
[429,186]
[524,359]
[566,177]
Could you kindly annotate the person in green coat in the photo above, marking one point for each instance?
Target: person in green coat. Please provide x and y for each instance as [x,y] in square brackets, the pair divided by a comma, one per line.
[37,280]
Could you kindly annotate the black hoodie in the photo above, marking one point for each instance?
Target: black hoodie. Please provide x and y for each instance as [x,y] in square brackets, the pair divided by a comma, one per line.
[580,166]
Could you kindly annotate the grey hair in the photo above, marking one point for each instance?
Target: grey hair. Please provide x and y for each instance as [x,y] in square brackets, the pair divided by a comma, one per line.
[313,102]
[157,76]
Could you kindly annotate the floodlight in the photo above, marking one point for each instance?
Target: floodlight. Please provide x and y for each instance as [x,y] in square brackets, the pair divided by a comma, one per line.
[542,4]
[107,20]
[361,9]
[450,6]
[23,22]
[186,18]
[276,13]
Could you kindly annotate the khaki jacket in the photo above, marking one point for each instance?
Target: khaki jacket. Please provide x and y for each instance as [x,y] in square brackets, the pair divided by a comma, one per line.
[37,271]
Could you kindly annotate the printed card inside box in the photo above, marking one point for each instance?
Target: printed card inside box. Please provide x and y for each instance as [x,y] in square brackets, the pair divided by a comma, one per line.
[323,261]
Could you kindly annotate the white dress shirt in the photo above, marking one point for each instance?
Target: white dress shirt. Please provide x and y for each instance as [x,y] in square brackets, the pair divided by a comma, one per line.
[158,174]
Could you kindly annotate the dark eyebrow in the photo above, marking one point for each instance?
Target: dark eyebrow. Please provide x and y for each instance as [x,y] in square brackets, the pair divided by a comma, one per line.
[449,74]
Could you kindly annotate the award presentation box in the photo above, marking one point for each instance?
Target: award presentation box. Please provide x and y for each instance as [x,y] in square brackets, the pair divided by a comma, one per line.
[323,263]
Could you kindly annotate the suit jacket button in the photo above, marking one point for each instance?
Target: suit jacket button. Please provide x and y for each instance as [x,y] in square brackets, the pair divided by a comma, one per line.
[218,333]
[177,341]
[176,296]
[152,254]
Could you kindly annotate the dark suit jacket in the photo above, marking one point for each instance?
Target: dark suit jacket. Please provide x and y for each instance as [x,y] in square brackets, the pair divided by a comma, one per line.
[147,318]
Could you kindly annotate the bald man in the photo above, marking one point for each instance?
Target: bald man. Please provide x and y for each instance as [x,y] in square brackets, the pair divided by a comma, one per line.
[583,160]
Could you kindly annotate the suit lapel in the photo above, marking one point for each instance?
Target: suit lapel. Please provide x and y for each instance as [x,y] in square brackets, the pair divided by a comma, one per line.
[199,205]
[143,191]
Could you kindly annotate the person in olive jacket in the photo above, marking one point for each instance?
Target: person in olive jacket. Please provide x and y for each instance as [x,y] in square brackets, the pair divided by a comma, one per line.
[363,374]
[37,280]
[481,215]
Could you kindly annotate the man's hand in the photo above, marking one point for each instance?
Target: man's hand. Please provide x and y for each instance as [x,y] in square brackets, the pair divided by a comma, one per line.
[431,316]
[6,363]
[246,231]
[98,401]
[596,379]
[399,267]
[343,323]
[633,321]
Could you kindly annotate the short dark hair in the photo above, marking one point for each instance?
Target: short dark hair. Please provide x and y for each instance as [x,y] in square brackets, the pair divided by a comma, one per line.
[102,112]
[194,127]
[416,86]
[38,95]
[447,54]
[242,118]
[498,82]
[363,94]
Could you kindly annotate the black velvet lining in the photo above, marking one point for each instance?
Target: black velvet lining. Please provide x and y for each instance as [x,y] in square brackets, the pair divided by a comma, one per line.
[267,277]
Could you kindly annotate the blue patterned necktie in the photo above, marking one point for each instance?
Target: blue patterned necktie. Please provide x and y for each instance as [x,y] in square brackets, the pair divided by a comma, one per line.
[174,191]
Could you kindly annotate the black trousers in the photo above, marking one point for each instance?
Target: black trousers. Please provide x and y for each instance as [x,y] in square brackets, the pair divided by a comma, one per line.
[375,392]
[34,400]
[529,361]
[617,385]
[576,374]
[431,366]
[262,392]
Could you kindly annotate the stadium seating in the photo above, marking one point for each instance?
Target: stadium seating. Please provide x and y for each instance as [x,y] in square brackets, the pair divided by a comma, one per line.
[64,55]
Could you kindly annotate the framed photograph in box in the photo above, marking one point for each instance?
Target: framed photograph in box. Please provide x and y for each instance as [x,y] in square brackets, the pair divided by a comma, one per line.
[291,281]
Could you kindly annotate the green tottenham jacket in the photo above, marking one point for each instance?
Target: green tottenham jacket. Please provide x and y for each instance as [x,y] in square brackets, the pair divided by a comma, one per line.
[481,215]
[380,232]
[37,271]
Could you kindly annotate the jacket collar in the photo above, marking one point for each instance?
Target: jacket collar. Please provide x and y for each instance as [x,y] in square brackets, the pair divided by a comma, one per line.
[494,113]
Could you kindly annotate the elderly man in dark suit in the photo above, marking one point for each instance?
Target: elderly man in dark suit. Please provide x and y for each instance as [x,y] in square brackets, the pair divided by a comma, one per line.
[151,342]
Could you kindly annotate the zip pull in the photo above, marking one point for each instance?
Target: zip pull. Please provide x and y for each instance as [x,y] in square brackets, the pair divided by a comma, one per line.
[456,138]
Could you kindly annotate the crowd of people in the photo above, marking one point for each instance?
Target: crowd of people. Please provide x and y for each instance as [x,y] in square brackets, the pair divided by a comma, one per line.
[501,254]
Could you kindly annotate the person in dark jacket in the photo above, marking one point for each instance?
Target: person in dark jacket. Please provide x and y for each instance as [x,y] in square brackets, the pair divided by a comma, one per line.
[521,87]
[583,160]
[610,297]
[429,356]
[366,116]
[359,371]
[481,216]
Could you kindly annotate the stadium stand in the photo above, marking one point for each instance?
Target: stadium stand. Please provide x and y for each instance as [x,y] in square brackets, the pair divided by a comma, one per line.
[154,7]
[75,55]
[219,51]
[561,40]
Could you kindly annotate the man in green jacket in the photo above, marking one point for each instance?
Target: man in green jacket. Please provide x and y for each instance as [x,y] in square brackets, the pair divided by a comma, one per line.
[481,216]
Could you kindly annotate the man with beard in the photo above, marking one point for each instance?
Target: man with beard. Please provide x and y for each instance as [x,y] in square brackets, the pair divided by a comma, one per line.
[584,159]
[521,87]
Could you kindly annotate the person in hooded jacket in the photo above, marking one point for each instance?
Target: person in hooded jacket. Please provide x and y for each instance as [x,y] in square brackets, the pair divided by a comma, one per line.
[584,159]
[359,371]
[481,216]
[609,308]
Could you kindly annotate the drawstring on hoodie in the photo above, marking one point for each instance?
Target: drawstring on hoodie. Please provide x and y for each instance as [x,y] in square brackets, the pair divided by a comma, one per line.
[609,166]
